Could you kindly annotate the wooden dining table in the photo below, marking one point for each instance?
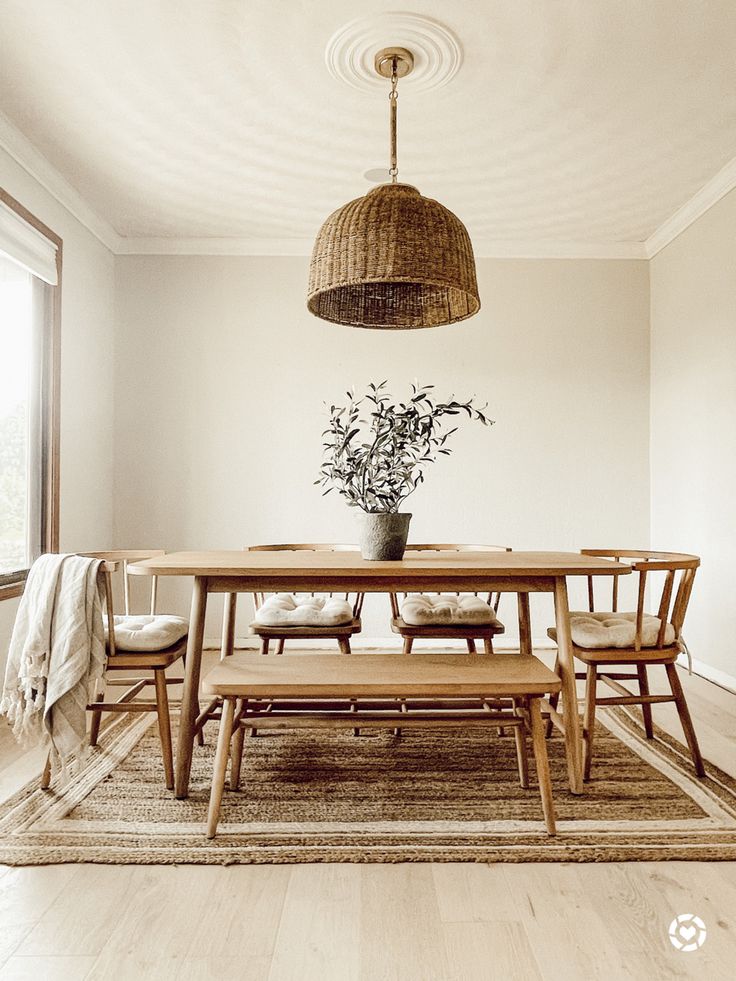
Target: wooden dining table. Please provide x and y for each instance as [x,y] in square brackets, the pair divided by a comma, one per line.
[521,573]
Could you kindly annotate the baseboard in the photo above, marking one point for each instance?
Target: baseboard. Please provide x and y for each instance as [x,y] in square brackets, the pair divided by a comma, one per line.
[703,670]
[392,643]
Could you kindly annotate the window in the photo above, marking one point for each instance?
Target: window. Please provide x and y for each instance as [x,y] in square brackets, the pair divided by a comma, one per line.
[30,284]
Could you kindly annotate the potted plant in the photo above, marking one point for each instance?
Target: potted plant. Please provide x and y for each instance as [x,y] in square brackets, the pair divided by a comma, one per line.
[375,451]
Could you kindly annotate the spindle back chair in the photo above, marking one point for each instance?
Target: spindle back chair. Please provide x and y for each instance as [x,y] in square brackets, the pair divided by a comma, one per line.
[453,631]
[666,578]
[281,633]
[114,571]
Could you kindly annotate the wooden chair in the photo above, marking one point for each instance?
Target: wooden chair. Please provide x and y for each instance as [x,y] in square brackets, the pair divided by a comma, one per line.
[115,563]
[641,641]
[449,631]
[341,632]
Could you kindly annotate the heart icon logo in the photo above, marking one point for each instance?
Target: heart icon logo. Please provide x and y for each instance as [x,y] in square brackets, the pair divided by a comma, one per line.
[687,932]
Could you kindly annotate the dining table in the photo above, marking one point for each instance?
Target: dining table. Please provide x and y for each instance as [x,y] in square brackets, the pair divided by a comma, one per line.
[522,573]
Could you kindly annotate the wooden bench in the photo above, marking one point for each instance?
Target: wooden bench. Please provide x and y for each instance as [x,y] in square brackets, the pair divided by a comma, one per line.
[379,690]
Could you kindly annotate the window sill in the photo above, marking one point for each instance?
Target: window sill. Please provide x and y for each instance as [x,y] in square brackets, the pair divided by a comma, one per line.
[12,590]
[9,590]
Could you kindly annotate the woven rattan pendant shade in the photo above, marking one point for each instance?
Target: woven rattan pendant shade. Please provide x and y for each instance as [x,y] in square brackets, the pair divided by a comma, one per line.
[393,260]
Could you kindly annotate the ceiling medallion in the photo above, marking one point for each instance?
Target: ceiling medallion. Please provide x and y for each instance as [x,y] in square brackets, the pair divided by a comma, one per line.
[437,53]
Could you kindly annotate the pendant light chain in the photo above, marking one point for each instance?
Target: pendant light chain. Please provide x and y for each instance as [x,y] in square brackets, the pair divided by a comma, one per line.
[393,100]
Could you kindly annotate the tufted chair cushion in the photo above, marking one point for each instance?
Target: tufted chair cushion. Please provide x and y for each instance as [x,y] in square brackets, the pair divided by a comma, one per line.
[422,609]
[602,630]
[148,633]
[287,610]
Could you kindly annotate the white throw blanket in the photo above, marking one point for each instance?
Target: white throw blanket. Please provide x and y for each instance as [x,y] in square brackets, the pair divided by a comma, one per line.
[57,654]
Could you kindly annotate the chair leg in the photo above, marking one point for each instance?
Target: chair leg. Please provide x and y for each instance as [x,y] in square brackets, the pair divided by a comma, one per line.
[488,645]
[591,683]
[553,700]
[542,762]
[94,729]
[408,641]
[521,756]
[687,723]
[164,726]
[344,644]
[46,775]
[264,645]
[646,710]
[471,645]
[280,646]
[218,772]
[236,755]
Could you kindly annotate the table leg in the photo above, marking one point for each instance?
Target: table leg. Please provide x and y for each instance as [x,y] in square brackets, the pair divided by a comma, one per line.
[228,625]
[569,689]
[185,742]
[525,624]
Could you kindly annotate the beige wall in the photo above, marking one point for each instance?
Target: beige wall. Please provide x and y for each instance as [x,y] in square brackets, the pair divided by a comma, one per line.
[693,420]
[86,376]
[221,375]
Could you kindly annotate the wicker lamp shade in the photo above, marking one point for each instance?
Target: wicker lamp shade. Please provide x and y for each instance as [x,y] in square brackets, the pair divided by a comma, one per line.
[394,260]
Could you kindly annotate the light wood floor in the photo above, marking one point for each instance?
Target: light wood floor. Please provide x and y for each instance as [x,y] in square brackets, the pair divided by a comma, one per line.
[373,922]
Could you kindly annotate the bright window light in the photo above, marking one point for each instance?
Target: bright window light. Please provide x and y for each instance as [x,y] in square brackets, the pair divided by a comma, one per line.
[16,373]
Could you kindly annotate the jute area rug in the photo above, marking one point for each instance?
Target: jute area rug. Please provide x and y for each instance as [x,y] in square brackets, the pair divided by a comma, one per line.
[430,795]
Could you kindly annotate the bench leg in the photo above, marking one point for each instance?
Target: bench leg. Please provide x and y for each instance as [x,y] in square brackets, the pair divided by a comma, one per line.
[218,772]
[236,755]
[164,726]
[540,758]
[521,756]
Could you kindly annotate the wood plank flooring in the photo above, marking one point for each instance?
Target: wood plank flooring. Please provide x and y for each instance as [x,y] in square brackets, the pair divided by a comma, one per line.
[410,922]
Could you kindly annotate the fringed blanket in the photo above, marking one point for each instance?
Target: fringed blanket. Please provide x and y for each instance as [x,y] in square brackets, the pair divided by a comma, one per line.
[57,655]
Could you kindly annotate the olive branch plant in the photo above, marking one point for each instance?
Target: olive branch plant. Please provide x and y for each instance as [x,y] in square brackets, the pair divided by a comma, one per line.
[375,450]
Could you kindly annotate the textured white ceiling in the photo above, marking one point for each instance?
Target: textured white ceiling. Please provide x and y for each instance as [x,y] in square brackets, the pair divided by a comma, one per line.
[569,120]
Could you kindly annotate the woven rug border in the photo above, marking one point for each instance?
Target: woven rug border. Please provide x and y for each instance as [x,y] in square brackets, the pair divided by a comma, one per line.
[21,846]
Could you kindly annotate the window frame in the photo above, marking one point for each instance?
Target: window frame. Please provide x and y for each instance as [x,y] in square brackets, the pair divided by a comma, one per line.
[13,584]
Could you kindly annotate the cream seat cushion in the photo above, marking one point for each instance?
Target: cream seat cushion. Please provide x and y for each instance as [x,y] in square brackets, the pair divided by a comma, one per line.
[602,630]
[148,633]
[288,610]
[423,609]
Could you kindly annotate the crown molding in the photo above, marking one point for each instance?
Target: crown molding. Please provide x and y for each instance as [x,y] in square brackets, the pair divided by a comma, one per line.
[303,247]
[35,163]
[708,195]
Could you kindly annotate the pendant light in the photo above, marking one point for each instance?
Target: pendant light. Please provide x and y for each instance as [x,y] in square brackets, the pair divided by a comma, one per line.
[393,259]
